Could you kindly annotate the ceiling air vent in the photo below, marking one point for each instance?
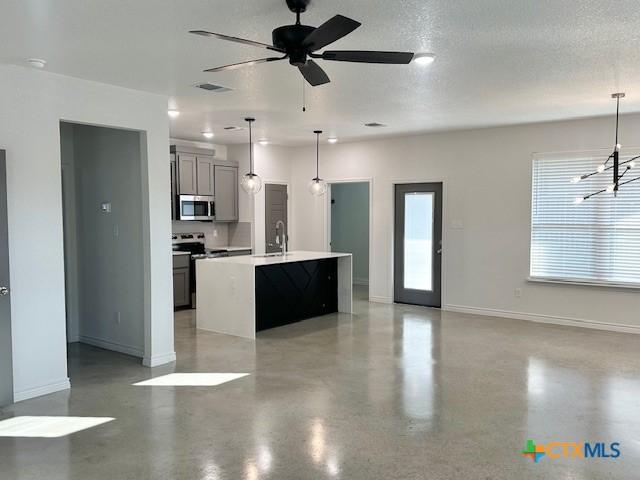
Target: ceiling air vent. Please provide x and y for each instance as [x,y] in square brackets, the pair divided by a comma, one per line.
[233,128]
[210,87]
[374,125]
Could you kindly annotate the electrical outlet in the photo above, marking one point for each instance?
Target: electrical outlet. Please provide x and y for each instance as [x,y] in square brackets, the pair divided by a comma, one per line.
[118,318]
[116,231]
[215,233]
[518,292]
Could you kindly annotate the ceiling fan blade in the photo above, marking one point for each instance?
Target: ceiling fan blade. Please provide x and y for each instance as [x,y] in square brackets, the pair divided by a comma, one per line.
[250,63]
[394,58]
[313,74]
[329,32]
[244,41]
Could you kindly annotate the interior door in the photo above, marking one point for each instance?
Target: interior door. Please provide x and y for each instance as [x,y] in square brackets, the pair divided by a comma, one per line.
[418,244]
[275,209]
[6,358]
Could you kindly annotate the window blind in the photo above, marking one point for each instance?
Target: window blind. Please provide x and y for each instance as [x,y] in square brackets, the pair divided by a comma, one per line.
[597,241]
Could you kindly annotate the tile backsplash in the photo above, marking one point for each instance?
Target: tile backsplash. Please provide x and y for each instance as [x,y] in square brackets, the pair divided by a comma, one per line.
[218,234]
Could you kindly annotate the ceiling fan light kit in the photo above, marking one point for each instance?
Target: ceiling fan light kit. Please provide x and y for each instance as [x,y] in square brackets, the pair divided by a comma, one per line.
[616,166]
[300,43]
[251,183]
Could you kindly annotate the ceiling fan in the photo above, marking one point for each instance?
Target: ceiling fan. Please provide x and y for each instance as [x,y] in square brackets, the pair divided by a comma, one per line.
[299,43]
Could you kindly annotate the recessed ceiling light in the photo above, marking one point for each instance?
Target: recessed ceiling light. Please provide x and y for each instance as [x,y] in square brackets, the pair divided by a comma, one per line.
[263,142]
[37,62]
[424,58]
[207,134]
[332,140]
[173,113]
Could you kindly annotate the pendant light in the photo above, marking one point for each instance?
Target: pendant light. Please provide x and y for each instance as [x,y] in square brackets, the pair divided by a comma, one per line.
[251,183]
[317,186]
[617,167]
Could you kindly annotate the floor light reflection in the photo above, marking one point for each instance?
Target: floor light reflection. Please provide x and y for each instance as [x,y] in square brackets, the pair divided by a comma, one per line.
[48,427]
[191,380]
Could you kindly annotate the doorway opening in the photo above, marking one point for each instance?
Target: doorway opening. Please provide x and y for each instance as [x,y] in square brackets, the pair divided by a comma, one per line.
[349,228]
[103,237]
[418,244]
[276,217]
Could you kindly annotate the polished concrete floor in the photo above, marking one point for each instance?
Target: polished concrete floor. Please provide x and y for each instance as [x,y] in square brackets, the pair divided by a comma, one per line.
[394,392]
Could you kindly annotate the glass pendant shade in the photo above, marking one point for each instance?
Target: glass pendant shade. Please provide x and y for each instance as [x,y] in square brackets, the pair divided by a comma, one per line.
[251,183]
[317,187]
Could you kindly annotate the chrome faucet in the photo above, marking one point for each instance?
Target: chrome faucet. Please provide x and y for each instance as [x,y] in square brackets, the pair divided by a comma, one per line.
[283,243]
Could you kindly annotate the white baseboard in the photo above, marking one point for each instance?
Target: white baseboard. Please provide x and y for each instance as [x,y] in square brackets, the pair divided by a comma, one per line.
[107,345]
[58,386]
[374,299]
[539,318]
[158,360]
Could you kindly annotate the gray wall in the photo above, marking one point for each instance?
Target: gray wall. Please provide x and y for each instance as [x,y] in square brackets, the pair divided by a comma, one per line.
[109,246]
[350,225]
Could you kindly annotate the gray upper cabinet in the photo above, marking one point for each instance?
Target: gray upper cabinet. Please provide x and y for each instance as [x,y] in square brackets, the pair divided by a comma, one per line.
[187,174]
[174,187]
[205,174]
[196,171]
[226,188]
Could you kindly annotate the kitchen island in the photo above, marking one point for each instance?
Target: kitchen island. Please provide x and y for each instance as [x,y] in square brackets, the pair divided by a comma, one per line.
[243,295]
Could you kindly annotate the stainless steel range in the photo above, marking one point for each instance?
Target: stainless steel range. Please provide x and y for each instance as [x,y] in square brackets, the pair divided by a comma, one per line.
[194,245]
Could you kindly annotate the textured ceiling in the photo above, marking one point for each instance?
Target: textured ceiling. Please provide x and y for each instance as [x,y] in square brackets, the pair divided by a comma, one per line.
[498,61]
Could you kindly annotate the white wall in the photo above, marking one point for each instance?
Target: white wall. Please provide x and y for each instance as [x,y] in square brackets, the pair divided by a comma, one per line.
[350,225]
[32,104]
[273,164]
[487,182]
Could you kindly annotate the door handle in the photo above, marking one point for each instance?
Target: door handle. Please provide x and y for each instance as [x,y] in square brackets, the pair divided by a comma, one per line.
[4,291]
[439,251]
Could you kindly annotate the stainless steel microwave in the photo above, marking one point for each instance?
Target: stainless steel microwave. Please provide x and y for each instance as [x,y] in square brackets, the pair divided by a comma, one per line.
[193,207]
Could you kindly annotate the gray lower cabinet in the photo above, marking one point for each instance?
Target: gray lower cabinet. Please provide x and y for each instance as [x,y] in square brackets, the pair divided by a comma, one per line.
[226,188]
[181,281]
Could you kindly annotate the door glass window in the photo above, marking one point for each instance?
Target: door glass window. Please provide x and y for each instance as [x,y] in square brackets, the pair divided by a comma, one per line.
[418,241]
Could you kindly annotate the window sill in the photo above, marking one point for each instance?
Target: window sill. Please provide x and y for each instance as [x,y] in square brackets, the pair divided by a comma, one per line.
[586,283]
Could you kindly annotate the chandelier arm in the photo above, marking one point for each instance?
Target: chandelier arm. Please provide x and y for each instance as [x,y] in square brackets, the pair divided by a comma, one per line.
[587,197]
[629,181]
[587,175]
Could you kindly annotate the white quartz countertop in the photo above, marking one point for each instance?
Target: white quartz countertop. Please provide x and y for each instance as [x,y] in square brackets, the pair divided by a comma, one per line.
[290,257]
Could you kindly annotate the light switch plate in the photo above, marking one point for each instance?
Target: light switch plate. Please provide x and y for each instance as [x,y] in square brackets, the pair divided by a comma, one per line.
[105,207]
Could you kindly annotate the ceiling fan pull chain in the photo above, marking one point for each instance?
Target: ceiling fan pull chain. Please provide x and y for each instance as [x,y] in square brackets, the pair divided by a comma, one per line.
[304,96]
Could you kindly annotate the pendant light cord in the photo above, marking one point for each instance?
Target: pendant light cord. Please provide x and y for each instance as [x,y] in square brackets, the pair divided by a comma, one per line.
[250,150]
[317,155]
[617,119]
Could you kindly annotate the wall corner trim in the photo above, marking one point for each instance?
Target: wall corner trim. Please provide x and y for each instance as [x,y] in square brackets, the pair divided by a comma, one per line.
[157,360]
[539,318]
[375,299]
[58,386]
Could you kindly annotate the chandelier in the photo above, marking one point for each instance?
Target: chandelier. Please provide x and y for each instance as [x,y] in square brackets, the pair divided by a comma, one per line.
[612,164]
